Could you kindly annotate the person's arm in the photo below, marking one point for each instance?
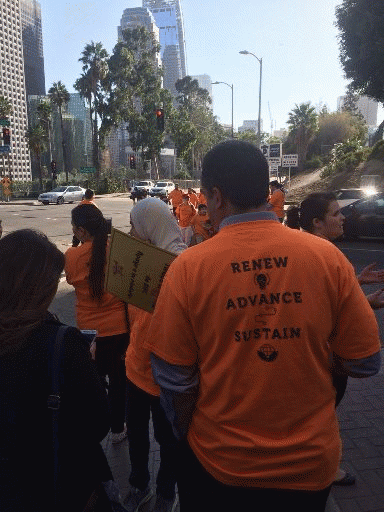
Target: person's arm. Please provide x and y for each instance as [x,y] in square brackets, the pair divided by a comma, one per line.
[370,276]
[179,387]
[357,368]
[376,299]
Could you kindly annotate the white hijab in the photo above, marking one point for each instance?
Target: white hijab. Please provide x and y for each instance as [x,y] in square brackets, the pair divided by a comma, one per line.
[155,223]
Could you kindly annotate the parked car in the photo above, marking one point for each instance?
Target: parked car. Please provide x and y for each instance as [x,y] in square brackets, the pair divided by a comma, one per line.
[346,196]
[364,217]
[60,195]
[162,188]
[141,189]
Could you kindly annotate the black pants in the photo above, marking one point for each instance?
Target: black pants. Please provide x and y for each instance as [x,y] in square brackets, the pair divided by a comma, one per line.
[200,492]
[110,356]
[139,406]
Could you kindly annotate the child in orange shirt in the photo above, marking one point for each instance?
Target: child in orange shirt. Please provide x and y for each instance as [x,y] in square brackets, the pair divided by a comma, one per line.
[185,213]
[193,197]
[201,225]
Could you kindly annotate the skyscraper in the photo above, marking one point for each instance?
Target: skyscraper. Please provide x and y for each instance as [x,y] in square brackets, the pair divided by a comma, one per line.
[169,19]
[30,12]
[12,86]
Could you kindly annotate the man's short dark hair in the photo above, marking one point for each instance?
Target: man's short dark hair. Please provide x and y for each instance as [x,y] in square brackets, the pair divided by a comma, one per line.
[89,193]
[239,170]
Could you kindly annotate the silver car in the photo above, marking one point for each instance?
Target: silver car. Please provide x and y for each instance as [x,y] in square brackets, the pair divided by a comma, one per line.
[60,195]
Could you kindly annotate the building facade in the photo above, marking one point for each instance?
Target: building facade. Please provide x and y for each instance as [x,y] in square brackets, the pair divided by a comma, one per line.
[78,110]
[169,19]
[30,12]
[250,125]
[367,107]
[17,163]
[205,82]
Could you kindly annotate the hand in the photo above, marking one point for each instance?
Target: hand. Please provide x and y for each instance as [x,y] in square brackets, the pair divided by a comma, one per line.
[92,349]
[376,299]
[369,276]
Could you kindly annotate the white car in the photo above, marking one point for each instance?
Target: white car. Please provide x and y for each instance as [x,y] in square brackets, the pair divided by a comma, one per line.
[143,186]
[162,188]
[60,195]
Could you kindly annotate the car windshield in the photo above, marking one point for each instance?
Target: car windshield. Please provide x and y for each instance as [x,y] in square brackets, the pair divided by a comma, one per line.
[161,184]
[59,189]
[142,183]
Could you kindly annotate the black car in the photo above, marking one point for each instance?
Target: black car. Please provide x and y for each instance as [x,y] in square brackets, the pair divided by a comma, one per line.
[364,217]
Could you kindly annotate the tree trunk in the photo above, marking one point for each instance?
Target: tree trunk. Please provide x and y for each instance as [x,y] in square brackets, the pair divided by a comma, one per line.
[63,143]
[38,157]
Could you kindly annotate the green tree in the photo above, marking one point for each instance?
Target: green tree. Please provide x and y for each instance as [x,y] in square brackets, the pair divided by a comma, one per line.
[59,96]
[6,108]
[361,40]
[90,86]
[253,137]
[44,114]
[135,92]
[302,121]
[37,143]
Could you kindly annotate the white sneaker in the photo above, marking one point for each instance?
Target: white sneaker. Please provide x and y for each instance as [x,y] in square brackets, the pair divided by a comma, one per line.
[136,498]
[117,437]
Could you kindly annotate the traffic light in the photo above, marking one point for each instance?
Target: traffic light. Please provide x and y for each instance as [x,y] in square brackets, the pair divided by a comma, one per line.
[132,162]
[160,119]
[6,137]
[54,169]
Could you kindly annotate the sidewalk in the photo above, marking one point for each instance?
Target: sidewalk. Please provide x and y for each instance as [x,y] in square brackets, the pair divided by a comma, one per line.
[361,415]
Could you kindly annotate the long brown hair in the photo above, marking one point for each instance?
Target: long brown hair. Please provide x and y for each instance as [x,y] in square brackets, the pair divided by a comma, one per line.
[30,268]
[89,217]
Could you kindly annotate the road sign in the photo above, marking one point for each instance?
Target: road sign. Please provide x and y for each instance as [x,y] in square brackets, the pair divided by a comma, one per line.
[265,150]
[5,122]
[87,169]
[5,149]
[274,161]
[275,150]
[290,160]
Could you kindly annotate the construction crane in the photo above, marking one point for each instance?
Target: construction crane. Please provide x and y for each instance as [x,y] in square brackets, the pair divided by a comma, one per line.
[270,117]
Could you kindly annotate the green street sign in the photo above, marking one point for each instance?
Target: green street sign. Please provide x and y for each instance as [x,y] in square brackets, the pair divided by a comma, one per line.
[5,122]
[87,169]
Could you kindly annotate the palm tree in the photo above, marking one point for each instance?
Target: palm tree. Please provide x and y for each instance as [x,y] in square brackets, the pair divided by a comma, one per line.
[37,143]
[6,108]
[95,68]
[44,113]
[60,97]
[303,127]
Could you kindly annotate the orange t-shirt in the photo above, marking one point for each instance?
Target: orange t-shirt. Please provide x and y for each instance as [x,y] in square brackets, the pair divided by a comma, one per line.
[274,304]
[201,198]
[138,359]
[108,317]
[198,222]
[176,197]
[185,213]
[193,199]
[276,200]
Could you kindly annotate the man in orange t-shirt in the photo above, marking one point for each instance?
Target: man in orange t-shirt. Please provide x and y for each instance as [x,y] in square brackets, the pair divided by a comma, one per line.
[193,197]
[276,199]
[185,213]
[201,198]
[201,225]
[243,362]
[176,197]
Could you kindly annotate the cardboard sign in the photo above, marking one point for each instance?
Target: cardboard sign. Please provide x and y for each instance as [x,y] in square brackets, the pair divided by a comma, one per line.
[135,270]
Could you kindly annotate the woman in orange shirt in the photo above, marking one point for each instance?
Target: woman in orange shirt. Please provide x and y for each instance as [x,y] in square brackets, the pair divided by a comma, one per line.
[276,199]
[97,309]
[152,222]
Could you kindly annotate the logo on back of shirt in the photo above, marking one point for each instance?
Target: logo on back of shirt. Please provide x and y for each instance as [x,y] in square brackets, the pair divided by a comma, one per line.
[267,353]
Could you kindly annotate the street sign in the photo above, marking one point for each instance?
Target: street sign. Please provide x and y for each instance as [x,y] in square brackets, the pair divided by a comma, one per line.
[265,150]
[274,161]
[5,149]
[275,150]
[290,160]
[87,169]
[5,122]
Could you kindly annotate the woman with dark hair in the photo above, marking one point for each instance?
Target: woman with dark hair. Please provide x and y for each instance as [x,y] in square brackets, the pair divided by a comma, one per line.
[97,309]
[319,214]
[30,269]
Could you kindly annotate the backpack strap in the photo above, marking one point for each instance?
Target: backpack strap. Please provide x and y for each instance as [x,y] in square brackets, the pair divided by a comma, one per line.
[53,402]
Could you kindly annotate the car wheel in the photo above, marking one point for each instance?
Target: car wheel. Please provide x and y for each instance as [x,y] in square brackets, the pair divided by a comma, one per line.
[60,200]
[45,203]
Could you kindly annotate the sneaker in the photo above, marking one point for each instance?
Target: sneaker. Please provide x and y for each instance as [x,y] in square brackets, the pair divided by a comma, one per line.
[117,437]
[136,498]
[164,505]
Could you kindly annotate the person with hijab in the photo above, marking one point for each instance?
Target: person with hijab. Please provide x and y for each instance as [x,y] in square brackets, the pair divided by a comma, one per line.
[153,222]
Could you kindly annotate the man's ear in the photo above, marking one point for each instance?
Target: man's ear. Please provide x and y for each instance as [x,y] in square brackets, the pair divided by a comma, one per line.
[217,198]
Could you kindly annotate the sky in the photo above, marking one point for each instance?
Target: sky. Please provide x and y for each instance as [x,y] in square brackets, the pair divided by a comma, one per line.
[296,40]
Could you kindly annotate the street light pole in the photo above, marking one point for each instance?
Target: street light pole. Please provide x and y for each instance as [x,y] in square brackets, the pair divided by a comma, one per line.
[245,52]
[231,86]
